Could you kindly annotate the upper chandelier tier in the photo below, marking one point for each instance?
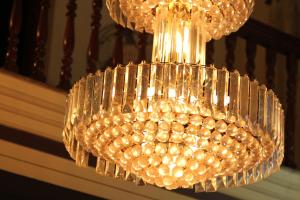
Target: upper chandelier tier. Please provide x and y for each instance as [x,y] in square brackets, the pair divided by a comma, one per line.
[221,17]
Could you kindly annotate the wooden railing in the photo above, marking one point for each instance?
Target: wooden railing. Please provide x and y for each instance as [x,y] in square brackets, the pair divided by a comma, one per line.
[253,32]
[13,40]
[68,46]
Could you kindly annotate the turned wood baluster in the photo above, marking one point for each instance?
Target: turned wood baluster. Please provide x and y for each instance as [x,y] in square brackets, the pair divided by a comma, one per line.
[250,52]
[118,48]
[142,47]
[230,42]
[210,52]
[14,30]
[269,2]
[270,62]
[38,68]
[93,48]
[68,46]
[289,145]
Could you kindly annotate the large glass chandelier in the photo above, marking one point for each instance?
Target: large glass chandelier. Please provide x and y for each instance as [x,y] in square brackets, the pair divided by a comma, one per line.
[176,123]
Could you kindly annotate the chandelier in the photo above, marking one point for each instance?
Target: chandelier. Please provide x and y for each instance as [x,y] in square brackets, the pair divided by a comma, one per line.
[174,122]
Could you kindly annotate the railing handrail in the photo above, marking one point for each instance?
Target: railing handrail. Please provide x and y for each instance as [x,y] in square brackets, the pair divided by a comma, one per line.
[271,37]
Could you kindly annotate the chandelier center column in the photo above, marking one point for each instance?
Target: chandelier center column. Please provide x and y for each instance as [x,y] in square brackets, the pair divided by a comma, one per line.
[179,35]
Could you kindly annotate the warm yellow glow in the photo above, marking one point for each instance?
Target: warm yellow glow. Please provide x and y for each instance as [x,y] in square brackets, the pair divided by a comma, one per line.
[223,16]
[179,45]
[173,41]
[176,123]
[150,92]
[186,44]
[170,137]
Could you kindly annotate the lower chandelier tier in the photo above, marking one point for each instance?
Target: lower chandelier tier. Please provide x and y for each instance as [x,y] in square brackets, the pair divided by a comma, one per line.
[175,126]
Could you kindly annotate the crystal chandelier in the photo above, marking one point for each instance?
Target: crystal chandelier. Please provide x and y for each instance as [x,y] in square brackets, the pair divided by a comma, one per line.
[176,123]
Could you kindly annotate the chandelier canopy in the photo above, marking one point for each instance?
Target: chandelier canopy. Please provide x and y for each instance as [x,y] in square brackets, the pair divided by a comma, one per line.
[176,122]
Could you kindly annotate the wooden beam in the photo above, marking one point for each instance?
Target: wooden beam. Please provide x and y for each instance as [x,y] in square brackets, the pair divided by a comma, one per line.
[55,170]
[31,106]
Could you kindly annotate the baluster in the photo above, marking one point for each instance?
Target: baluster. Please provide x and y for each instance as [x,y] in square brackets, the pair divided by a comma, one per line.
[230,42]
[68,46]
[118,48]
[210,52]
[142,47]
[14,30]
[270,61]
[291,64]
[268,2]
[93,48]
[251,52]
[38,68]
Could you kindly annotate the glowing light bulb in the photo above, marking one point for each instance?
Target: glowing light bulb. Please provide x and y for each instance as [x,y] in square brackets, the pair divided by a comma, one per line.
[168,180]
[136,151]
[154,160]
[181,161]
[166,159]
[163,170]
[161,148]
[178,172]
[148,149]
